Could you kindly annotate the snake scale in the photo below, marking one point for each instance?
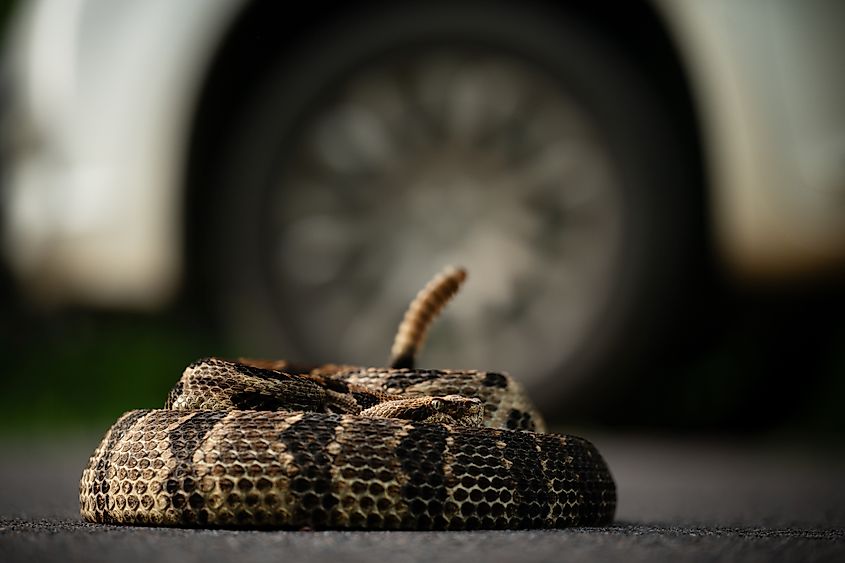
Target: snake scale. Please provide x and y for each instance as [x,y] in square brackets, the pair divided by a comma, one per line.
[269,444]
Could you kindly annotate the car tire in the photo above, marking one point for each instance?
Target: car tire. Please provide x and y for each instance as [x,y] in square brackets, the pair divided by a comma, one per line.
[656,183]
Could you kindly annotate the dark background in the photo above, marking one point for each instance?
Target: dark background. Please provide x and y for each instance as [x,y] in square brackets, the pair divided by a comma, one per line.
[766,362]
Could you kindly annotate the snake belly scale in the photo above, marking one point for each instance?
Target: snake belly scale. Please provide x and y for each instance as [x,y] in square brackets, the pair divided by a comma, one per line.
[258,444]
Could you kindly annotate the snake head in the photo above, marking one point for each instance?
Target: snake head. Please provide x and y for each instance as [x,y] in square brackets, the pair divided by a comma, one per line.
[465,411]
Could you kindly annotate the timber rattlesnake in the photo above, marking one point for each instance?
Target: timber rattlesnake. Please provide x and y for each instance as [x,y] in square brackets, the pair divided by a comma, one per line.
[263,444]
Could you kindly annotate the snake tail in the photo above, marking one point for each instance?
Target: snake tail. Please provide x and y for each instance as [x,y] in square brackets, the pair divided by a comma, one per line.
[425,307]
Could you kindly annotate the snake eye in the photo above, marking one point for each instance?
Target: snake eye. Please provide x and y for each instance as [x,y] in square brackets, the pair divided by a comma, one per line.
[437,404]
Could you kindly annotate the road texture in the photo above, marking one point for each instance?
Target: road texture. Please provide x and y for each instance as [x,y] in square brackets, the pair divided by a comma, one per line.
[677,502]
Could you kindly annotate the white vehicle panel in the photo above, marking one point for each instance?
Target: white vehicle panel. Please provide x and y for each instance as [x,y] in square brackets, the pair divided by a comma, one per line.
[95,202]
[769,85]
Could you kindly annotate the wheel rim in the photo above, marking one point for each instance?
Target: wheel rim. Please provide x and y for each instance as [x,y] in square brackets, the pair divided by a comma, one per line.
[452,156]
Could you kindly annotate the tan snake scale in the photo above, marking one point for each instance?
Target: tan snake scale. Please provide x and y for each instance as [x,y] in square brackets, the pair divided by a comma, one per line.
[273,445]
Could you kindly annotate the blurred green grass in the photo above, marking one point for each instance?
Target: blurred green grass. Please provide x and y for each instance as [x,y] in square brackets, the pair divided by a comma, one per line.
[79,372]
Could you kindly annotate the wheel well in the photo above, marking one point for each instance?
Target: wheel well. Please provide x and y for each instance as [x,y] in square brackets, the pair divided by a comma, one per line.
[264,28]
[637,29]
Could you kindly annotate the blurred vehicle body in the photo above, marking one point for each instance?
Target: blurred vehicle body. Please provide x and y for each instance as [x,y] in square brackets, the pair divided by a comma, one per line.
[118,110]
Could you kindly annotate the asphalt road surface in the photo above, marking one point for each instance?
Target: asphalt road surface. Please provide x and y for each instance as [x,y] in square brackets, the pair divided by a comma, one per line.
[678,501]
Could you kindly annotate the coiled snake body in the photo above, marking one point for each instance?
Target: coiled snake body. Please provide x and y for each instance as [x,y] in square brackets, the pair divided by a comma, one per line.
[269,444]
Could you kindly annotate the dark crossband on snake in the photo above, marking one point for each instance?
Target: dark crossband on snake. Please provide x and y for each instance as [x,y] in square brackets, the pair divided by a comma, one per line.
[272,444]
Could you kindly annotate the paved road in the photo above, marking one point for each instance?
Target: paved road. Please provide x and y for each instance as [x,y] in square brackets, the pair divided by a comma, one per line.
[677,501]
